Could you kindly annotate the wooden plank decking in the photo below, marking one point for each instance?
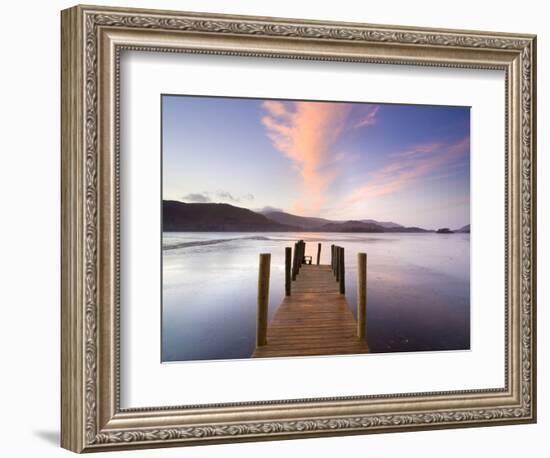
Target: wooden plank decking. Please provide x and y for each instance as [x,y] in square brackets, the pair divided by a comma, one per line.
[315,320]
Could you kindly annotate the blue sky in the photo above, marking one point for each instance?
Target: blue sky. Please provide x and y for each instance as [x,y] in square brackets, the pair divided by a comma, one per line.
[404,163]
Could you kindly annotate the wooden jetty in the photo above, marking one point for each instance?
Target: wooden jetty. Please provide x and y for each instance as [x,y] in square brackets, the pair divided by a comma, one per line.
[314,318]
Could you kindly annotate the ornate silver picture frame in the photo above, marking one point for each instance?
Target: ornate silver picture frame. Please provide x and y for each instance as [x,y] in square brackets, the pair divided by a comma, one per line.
[93,39]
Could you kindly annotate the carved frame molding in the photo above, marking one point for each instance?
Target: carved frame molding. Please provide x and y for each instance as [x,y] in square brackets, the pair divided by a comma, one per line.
[92,39]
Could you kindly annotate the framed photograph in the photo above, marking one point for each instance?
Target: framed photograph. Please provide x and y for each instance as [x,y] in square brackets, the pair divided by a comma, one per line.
[278,228]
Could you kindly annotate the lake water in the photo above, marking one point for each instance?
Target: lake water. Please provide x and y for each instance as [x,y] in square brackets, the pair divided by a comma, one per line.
[418,294]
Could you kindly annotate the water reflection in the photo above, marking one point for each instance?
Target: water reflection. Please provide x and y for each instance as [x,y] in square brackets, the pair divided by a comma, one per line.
[418,293]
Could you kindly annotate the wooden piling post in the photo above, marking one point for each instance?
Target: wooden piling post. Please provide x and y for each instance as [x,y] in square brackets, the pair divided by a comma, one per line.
[361,295]
[288,278]
[263,299]
[295,262]
[337,262]
[297,258]
[342,276]
[301,253]
[332,258]
[318,253]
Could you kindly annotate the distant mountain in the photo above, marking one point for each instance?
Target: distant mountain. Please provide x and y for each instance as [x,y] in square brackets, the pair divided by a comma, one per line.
[405,229]
[464,229]
[318,223]
[386,224]
[361,226]
[217,217]
[303,222]
[180,216]
[351,226]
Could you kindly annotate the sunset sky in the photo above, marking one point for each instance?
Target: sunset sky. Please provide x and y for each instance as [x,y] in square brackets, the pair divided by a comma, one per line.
[404,163]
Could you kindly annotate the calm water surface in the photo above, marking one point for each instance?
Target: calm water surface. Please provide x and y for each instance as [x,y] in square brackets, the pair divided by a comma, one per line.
[418,294]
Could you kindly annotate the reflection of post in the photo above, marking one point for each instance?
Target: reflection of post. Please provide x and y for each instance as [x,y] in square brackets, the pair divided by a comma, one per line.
[318,253]
[288,259]
[342,277]
[263,299]
[361,295]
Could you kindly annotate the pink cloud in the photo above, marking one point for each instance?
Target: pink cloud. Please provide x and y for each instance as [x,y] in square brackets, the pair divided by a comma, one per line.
[426,148]
[275,108]
[306,133]
[414,164]
[369,119]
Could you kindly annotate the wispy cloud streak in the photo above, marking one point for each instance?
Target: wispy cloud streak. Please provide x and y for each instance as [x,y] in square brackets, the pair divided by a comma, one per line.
[411,165]
[369,119]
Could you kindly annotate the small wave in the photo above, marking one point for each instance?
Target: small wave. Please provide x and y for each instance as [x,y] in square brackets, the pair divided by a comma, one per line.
[210,242]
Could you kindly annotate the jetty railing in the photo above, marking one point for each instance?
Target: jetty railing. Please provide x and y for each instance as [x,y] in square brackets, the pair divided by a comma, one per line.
[338,265]
[288,273]
[299,253]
